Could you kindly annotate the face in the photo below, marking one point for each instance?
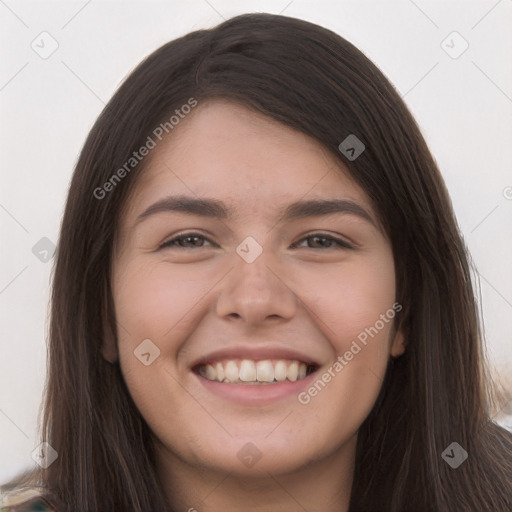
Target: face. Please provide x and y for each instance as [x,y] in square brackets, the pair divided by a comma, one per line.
[248,290]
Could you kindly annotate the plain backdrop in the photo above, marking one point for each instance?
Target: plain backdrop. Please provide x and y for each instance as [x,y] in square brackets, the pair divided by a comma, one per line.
[461,98]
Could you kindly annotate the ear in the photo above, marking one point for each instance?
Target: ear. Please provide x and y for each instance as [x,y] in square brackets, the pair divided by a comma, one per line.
[398,346]
[109,349]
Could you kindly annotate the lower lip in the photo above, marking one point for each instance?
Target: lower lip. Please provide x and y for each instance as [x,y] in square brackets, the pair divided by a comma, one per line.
[256,394]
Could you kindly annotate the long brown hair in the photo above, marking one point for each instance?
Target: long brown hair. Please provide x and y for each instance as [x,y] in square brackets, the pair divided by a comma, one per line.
[437,393]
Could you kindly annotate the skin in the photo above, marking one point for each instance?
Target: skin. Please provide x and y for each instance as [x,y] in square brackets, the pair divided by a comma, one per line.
[202,296]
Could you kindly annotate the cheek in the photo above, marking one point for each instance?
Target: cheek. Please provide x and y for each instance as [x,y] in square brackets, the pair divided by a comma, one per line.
[351,298]
[153,300]
[355,311]
[156,302]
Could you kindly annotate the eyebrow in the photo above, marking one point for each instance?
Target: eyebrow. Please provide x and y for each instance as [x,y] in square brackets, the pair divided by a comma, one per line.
[213,208]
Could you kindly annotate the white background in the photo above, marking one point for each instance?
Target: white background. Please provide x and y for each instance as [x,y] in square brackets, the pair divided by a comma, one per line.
[463,105]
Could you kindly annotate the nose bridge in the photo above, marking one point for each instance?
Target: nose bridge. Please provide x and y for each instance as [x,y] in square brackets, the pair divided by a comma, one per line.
[255,289]
[254,265]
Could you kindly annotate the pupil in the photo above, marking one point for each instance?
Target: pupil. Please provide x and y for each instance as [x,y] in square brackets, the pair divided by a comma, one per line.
[189,239]
[326,242]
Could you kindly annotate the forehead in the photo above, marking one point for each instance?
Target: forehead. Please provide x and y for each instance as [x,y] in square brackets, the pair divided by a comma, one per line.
[250,161]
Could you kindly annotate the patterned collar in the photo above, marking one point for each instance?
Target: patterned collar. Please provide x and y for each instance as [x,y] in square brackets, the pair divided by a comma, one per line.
[26,499]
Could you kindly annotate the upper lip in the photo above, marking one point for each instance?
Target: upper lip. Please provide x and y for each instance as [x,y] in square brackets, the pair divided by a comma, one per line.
[254,353]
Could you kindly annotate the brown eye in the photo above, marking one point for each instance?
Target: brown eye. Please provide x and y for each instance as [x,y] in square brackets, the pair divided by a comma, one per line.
[185,241]
[324,242]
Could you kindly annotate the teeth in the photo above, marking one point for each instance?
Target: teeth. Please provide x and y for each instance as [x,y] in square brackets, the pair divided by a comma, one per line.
[220,372]
[265,371]
[252,372]
[231,371]
[292,372]
[211,374]
[247,371]
[280,371]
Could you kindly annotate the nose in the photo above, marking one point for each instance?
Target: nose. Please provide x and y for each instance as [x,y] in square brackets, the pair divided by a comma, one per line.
[257,292]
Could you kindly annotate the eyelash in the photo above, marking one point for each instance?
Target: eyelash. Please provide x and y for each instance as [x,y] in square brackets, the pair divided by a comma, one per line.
[341,243]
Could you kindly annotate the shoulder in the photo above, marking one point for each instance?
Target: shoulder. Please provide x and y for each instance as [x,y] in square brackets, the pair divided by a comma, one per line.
[25,499]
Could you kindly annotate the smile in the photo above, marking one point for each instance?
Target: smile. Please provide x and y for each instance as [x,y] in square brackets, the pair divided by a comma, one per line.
[252,372]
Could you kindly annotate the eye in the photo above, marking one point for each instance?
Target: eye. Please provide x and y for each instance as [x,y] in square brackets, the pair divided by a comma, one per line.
[321,237]
[182,241]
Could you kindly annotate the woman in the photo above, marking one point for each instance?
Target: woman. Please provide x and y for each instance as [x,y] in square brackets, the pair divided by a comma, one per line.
[319,348]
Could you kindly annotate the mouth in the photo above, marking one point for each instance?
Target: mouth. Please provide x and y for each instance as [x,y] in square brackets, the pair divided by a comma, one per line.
[252,372]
